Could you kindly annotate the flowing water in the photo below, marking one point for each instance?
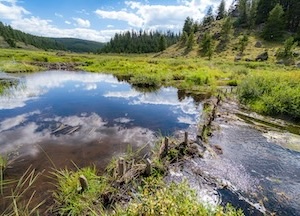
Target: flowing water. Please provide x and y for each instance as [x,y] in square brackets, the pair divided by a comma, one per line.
[262,170]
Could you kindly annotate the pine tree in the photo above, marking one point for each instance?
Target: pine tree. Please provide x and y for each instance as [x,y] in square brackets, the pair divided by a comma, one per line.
[162,43]
[243,8]
[253,13]
[184,37]
[226,29]
[263,9]
[275,24]
[221,11]
[190,42]
[209,17]
[188,25]
[207,45]
[243,42]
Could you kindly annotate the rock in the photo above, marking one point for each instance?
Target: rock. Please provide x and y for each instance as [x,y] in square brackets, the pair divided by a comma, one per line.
[217,36]
[262,57]
[238,58]
[218,149]
[60,54]
[296,54]
[298,64]
[258,44]
[248,60]
[281,62]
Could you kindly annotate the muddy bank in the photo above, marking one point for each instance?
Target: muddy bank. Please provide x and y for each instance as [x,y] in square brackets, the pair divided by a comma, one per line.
[65,66]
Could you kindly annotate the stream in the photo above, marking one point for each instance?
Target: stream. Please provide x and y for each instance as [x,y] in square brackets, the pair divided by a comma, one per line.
[55,119]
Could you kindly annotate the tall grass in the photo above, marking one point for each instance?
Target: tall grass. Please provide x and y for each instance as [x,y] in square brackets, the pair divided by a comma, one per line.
[272,93]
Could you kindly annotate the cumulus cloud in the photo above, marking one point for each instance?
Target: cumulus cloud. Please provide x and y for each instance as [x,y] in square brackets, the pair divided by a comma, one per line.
[42,27]
[11,11]
[82,23]
[159,16]
[131,18]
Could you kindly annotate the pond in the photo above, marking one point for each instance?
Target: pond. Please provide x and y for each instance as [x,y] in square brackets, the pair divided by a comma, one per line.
[86,117]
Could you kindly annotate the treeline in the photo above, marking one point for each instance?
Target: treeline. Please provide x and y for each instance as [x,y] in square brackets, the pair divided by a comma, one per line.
[277,17]
[140,42]
[12,36]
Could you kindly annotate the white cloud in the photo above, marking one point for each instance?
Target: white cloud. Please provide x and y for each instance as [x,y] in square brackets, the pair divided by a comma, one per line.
[59,15]
[130,18]
[41,27]
[82,23]
[147,16]
[68,22]
[109,26]
[11,11]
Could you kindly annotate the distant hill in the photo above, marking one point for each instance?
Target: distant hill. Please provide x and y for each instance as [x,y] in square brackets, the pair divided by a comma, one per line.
[13,38]
[79,45]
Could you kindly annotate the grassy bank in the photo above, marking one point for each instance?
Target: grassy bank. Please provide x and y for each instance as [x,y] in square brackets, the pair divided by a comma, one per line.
[264,86]
[131,185]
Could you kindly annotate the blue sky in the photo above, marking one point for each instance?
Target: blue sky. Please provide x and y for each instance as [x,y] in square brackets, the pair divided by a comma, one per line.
[99,20]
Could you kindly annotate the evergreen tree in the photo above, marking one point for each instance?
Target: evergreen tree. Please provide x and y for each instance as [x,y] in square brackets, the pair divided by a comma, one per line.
[292,14]
[207,45]
[184,37]
[253,13]
[287,51]
[243,42]
[190,42]
[226,29]
[209,17]
[188,25]
[263,9]
[221,11]
[275,24]
[162,43]
[243,8]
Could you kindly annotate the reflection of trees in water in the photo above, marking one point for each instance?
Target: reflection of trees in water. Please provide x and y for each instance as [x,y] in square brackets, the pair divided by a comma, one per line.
[7,83]
[197,97]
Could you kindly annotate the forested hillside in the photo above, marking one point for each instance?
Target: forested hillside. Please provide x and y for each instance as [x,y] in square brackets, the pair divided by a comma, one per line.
[140,42]
[79,45]
[273,25]
[13,37]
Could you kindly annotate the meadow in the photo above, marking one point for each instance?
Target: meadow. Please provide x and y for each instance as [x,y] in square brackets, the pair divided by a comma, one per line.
[265,87]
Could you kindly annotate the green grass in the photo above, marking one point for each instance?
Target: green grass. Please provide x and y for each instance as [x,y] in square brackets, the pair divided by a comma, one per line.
[272,93]
[69,198]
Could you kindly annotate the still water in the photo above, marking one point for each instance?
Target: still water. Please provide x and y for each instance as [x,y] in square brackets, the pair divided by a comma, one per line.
[87,117]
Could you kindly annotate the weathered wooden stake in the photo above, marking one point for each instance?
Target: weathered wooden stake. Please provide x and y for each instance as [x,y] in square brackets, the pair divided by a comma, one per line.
[148,167]
[164,148]
[121,167]
[186,138]
[83,183]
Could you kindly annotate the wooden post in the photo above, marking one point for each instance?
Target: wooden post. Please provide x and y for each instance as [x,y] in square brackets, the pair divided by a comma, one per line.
[83,183]
[163,151]
[148,167]
[186,138]
[121,167]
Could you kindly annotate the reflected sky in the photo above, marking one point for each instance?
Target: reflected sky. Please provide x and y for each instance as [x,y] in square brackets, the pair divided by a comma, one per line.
[77,107]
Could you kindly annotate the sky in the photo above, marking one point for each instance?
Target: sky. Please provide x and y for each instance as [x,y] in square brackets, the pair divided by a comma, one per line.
[99,20]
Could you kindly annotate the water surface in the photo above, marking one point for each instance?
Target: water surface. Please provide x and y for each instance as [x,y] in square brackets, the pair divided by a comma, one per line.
[58,109]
